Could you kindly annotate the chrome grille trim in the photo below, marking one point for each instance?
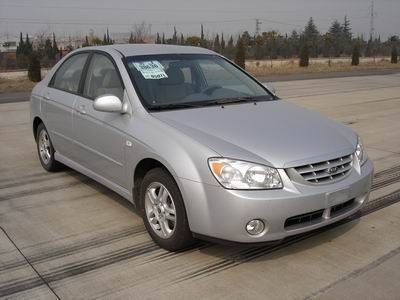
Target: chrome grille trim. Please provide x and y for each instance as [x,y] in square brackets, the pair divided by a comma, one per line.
[325,171]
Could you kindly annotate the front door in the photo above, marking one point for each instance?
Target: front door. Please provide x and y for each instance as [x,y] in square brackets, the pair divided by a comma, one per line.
[98,138]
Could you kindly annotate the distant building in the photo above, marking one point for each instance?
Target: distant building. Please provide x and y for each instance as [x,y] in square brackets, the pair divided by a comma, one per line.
[8,46]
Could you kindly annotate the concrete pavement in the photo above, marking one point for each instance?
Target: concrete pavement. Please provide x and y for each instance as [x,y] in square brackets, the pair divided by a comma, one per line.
[68,237]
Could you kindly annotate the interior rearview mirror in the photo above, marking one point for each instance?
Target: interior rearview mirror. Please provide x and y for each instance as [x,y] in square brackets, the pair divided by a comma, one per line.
[108,103]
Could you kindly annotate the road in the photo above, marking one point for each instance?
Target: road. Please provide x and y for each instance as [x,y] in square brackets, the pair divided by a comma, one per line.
[64,236]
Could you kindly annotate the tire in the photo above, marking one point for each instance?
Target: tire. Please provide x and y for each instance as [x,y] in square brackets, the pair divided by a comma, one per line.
[46,150]
[164,216]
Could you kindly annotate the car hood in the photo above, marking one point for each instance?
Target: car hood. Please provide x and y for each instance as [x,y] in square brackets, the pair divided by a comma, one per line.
[276,133]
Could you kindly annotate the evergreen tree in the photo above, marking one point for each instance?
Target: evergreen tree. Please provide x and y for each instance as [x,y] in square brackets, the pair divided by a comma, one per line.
[34,69]
[163,38]
[56,51]
[21,46]
[240,55]
[158,40]
[230,42]
[27,47]
[131,39]
[182,41]
[48,49]
[355,57]
[347,36]
[259,51]
[217,44]
[336,38]
[222,43]
[203,42]
[174,37]
[304,56]
[86,43]
[108,40]
[394,55]
[105,39]
[311,37]
[368,49]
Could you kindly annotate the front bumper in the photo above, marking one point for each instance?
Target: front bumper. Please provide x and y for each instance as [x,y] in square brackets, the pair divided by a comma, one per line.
[223,214]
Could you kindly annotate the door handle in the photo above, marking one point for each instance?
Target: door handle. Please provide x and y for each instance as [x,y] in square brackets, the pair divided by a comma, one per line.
[81,109]
[47,97]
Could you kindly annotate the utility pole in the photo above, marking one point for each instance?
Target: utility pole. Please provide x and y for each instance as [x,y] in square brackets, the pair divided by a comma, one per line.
[371,28]
[258,23]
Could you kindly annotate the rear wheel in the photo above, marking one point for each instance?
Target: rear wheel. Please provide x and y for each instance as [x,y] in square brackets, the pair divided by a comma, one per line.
[164,212]
[46,150]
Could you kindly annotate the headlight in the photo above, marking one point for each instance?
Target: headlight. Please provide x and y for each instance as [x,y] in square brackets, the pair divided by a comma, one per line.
[243,175]
[360,152]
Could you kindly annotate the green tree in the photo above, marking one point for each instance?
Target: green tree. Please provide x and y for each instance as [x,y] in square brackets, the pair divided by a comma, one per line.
[174,40]
[86,43]
[27,47]
[193,41]
[355,57]
[394,40]
[217,44]
[158,40]
[163,38]
[347,36]
[394,55]
[304,56]
[182,40]
[240,55]
[336,37]
[259,51]
[222,43]
[48,49]
[310,36]
[56,51]
[22,58]
[131,39]
[34,69]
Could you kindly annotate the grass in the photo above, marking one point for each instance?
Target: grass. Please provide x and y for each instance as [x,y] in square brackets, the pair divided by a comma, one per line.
[263,68]
[16,85]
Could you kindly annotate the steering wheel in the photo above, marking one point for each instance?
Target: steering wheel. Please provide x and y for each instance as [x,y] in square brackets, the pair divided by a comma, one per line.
[209,90]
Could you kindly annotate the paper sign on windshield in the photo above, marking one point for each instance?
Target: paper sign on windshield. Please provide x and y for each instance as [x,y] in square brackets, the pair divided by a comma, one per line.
[151,69]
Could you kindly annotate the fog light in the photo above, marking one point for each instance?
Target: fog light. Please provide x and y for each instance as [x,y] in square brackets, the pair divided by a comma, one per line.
[255,227]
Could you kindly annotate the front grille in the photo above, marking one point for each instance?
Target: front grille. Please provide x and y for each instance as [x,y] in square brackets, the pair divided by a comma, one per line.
[304,219]
[326,171]
[341,208]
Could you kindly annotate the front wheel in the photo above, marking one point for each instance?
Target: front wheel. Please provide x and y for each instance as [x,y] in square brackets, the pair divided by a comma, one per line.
[46,150]
[164,212]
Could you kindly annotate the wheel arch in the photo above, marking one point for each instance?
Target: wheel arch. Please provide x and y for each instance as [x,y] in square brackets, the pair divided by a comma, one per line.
[36,122]
[141,169]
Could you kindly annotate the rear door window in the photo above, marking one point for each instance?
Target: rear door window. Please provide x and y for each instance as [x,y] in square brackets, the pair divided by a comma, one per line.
[69,74]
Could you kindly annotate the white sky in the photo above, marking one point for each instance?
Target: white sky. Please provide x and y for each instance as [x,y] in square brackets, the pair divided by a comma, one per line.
[71,17]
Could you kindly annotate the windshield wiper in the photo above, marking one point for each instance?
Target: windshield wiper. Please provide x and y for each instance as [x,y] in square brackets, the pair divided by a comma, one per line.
[171,106]
[233,100]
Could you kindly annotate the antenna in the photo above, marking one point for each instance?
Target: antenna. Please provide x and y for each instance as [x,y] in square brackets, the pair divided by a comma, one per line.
[258,23]
[371,25]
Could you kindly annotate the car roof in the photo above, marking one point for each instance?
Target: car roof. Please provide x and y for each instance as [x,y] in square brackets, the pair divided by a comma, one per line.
[148,49]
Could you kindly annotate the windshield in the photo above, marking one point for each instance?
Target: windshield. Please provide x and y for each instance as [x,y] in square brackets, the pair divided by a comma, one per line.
[186,80]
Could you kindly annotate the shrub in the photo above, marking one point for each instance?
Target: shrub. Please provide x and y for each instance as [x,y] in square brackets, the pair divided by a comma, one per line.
[34,69]
[355,57]
[304,56]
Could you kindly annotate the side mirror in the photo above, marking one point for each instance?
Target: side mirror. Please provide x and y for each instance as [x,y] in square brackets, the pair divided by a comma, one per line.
[108,103]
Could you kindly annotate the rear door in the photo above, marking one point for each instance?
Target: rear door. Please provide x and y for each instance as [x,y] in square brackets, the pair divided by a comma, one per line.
[99,138]
[60,97]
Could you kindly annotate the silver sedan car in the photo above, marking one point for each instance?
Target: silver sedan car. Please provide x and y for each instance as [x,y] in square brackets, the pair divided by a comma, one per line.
[200,147]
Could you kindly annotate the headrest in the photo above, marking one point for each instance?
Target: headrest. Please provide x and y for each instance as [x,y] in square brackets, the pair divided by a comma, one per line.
[175,77]
[111,79]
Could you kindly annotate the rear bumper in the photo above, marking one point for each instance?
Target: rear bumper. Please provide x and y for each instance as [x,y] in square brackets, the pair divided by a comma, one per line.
[223,214]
